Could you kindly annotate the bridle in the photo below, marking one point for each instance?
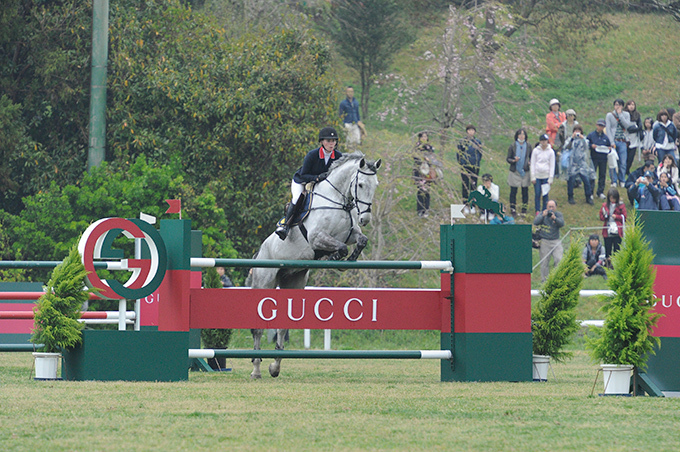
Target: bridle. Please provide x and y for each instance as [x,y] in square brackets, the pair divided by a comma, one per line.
[348,203]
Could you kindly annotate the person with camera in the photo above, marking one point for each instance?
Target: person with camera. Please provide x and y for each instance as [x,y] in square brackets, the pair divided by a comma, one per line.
[579,165]
[548,223]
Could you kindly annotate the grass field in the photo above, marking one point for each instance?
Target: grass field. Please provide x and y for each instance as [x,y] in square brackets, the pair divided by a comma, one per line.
[330,405]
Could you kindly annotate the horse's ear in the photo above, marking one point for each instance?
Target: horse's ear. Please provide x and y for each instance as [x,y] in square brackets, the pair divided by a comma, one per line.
[377,163]
[362,163]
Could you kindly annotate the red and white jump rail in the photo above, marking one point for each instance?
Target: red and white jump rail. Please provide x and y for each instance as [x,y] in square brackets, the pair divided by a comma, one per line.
[122,317]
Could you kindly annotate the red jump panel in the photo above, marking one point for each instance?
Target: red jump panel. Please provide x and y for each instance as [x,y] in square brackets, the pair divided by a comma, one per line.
[364,309]
[492,303]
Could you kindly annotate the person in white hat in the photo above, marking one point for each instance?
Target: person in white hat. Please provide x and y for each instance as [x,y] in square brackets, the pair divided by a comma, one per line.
[565,130]
[553,120]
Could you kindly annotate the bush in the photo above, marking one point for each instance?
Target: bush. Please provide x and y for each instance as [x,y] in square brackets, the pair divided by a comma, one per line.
[553,318]
[626,337]
[58,310]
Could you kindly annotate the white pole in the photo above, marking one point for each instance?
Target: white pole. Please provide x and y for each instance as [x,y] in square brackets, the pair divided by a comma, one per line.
[326,339]
[308,340]
[138,304]
[122,308]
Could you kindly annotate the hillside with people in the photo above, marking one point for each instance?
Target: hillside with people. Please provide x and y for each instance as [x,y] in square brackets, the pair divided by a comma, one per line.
[584,80]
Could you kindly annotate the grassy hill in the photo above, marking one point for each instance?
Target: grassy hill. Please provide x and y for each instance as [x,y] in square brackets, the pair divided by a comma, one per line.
[636,60]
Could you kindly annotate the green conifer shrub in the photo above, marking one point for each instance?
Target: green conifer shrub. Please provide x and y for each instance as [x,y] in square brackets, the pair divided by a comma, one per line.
[57,312]
[626,337]
[553,317]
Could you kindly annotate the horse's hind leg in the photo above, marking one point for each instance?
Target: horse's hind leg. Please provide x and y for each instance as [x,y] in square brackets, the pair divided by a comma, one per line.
[275,367]
[257,337]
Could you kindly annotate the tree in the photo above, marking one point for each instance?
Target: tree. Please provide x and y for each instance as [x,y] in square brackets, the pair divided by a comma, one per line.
[54,219]
[553,318]
[58,310]
[367,35]
[626,337]
[232,117]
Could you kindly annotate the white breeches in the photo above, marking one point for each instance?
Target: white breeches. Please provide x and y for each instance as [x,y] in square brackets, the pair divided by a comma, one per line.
[296,190]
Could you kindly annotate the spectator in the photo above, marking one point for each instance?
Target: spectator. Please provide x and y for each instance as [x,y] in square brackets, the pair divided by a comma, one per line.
[676,119]
[668,166]
[226,282]
[469,158]
[613,213]
[490,190]
[553,120]
[424,173]
[665,134]
[668,199]
[519,158]
[648,144]
[349,112]
[549,222]
[617,123]
[599,148]
[594,257]
[631,182]
[542,169]
[648,193]
[579,165]
[552,123]
[633,134]
[565,129]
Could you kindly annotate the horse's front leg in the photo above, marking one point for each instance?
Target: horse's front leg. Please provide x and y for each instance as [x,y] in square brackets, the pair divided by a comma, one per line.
[275,367]
[325,242]
[257,337]
[362,241]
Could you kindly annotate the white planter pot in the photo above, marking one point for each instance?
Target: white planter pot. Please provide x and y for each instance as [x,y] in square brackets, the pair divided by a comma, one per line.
[540,367]
[616,378]
[46,365]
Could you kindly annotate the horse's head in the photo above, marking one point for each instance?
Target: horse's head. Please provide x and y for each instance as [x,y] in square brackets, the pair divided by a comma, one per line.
[363,188]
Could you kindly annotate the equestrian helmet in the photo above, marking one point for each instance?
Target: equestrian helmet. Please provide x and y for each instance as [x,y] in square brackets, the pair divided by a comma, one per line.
[328,133]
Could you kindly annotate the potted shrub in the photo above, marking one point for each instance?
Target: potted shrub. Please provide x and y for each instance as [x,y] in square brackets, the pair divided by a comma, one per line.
[625,341]
[57,312]
[214,337]
[553,317]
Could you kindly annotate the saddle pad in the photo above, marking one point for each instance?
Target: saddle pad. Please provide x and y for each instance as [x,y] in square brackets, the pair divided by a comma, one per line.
[300,217]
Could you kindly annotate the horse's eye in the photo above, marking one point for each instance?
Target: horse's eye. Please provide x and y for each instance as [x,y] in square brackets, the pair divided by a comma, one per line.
[361,185]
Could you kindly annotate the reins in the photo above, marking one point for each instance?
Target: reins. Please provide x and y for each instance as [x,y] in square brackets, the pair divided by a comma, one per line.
[348,202]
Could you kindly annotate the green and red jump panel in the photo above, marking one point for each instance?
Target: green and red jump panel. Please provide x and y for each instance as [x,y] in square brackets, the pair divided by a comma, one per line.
[490,333]
[107,355]
[661,229]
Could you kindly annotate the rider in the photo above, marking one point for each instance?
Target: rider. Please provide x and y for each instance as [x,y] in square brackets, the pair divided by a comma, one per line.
[314,169]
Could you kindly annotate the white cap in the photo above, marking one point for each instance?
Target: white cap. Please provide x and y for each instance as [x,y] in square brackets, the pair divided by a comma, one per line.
[554,101]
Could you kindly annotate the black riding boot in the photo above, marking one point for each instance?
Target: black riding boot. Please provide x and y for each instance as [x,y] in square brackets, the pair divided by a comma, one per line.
[282,231]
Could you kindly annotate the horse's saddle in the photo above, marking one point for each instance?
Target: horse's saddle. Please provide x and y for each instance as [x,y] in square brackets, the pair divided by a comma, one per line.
[302,212]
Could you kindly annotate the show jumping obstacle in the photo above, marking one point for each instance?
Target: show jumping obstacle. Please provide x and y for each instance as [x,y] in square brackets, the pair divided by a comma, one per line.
[482,309]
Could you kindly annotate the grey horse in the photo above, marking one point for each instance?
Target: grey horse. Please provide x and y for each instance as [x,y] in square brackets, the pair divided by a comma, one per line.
[341,204]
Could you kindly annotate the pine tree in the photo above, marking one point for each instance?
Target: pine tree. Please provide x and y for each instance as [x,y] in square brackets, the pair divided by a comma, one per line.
[626,336]
[58,310]
[553,318]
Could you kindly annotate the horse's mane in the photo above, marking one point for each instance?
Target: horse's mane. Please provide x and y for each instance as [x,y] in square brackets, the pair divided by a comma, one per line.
[354,156]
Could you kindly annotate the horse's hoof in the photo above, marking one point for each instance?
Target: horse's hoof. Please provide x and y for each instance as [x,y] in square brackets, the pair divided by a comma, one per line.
[255,376]
[274,370]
